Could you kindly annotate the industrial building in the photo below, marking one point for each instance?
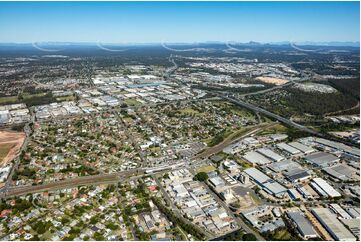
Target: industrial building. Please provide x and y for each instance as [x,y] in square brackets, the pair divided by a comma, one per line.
[340,211]
[256,158]
[270,154]
[297,175]
[275,189]
[340,172]
[257,176]
[325,187]
[338,146]
[303,226]
[330,222]
[304,148]
[322,159]
[289,149]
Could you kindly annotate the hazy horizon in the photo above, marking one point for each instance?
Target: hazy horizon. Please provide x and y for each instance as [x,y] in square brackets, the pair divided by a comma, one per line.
[179,22]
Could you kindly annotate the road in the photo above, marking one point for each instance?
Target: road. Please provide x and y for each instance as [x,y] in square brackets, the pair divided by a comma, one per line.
[176,210]
[229,140]
[239,221]
[270,114]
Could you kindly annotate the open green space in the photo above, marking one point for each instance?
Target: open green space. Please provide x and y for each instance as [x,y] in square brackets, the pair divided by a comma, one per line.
[131,102]
[8,100]
[206,168]
[4,150]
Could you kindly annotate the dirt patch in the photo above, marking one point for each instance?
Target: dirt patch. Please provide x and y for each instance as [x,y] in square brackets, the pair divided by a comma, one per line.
[272,80]
[10,145]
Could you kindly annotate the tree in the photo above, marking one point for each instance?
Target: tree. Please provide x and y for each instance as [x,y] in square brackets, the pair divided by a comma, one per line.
[249,237]
[201,176]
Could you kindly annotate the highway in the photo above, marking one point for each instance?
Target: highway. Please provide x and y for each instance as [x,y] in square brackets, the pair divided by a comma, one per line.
[272,115]
[286,121]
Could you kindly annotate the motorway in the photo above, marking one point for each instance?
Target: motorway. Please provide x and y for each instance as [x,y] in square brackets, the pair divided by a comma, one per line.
[272,115]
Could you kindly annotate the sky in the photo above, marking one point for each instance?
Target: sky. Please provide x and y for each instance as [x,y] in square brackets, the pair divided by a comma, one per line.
[155,22]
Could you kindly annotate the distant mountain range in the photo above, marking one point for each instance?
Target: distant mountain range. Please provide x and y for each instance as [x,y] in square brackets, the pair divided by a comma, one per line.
[250,43]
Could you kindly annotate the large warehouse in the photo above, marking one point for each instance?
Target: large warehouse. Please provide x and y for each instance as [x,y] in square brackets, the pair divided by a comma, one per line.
[326,188]
[304,227]
[329,220]
[322,159]
[270,154]
[256,158]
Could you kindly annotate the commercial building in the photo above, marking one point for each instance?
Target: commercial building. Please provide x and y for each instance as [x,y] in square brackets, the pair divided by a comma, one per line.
[303,226]
[340,211]
[275,189]
[270,154]
[322,159]
[217,182]
[340,172]
[330,222]
[289,149]
[338,146]
[256,158]
[297,175]
[304,148]
[257,176]
[327,188]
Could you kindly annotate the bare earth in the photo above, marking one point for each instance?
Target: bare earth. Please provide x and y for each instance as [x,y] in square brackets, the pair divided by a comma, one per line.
[10,145]
[272,80]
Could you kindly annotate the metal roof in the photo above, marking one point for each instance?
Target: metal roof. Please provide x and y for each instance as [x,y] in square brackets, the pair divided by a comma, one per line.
[322,158]
[270,154]
[302,147]
[288,148]
[303,225]
[257,175]
[332,224]
[339,146]
[256,158]
[326,187]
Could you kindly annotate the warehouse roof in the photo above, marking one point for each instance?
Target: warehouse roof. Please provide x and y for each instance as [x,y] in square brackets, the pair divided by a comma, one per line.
[257,175]
[326,187]
[303,225]
[283,165]
[322,159]
[270,154]
[339,146]
[274,187]
[256,158]
[296,174]
[332,224]
[302,147]
[288,148]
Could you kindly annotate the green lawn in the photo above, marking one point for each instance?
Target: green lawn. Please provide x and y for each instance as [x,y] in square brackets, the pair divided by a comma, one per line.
[131,102]
[4,150]
[277,128]
[282,235]
[8,100]
[65,98]
[206,169]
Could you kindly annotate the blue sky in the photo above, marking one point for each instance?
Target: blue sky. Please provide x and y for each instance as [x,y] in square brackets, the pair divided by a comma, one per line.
[145,22]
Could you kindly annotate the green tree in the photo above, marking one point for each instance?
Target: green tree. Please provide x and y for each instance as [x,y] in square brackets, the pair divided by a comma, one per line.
[201,176]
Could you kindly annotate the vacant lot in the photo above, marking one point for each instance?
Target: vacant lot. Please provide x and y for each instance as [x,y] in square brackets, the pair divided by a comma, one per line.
[10,145]
[272,80]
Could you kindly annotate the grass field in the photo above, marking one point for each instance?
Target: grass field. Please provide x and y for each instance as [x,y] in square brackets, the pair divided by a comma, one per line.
[65,98]
[131,102]
[8,100]
[282,235]
[206,169]
[277,128]
[188,111]
[4,150]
